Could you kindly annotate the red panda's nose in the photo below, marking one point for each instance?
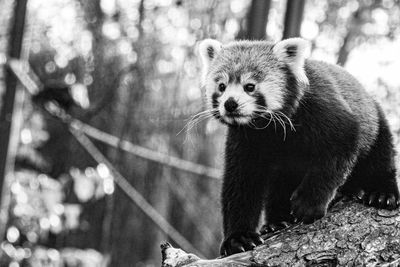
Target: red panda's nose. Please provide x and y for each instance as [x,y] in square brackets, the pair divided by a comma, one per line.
[230,104]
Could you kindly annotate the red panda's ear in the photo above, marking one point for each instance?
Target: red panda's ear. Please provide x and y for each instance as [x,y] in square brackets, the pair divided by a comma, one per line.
[293,52]
[208,49]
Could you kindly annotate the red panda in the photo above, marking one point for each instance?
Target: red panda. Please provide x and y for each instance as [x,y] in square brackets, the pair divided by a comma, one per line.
[299,131]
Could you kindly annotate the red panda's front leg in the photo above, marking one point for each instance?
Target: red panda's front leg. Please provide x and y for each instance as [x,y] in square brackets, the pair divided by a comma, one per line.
[242,201]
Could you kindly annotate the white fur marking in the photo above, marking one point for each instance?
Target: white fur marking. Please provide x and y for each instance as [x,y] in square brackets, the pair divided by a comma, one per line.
[295,61]
[204,47]
[245,101]
[273,92]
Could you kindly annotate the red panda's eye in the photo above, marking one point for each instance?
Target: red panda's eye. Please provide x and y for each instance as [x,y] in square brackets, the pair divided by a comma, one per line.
[221,87]
[249,87]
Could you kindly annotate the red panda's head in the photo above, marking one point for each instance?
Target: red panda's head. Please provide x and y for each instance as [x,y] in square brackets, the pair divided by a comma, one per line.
[246,81]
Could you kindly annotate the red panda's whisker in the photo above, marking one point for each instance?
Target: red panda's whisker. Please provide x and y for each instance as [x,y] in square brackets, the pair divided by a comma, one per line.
[282,123]
[279,116]
[197,118]
[201,118]
[196,121]
[263,114]
[260,128]
[273,119]
[288,120]
[207,111]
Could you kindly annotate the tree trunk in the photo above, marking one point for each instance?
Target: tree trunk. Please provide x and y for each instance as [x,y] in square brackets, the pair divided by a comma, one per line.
[256,21]
[351,234]
[293,18]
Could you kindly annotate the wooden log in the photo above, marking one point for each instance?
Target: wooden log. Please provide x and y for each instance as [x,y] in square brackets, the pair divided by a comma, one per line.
[351,234]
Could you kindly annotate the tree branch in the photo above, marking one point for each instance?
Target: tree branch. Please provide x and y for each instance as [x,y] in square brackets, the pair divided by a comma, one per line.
[351,234]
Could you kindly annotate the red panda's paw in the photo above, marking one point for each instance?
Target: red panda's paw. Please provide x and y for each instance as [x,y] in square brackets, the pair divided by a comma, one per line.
[307,208]
[274,227]
[239,242]
[389,201]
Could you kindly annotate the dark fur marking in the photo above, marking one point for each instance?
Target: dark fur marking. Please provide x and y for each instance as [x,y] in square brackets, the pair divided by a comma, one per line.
[260,99]
[214,99]
[291,93]
[210,52]
[291,50]
[260,121]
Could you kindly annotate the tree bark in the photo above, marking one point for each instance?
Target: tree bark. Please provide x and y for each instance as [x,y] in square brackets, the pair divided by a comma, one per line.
[351,234]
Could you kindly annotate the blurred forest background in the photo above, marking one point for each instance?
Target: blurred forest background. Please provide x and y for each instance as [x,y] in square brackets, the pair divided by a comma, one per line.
[129,68]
